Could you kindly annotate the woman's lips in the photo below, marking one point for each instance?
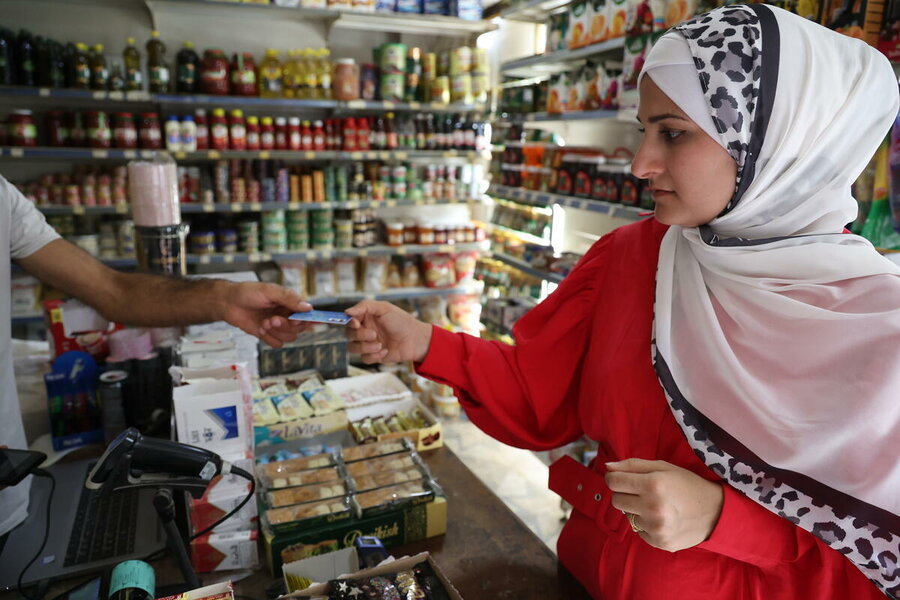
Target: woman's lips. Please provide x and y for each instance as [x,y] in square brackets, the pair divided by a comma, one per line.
[661,194]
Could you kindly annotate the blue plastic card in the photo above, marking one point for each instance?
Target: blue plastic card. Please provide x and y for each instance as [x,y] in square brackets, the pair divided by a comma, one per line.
[322,316]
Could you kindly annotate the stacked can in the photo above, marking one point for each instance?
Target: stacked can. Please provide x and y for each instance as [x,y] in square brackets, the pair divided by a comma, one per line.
[342,176]
[392,67]
[64,225]
[108,246]
[468,76]
[322,227]
[221,182]
[88,243]
[227,241]
[203,242]
[343,233]
[282,184]
[363,227]
[298,230]
[125,237]
[274,231]
[248,236]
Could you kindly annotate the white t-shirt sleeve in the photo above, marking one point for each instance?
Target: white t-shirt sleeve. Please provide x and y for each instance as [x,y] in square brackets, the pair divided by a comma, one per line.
[28,229]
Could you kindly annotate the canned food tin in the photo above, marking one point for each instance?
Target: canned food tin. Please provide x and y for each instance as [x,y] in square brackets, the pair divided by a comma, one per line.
[440,89]
[461,88]
[480,61]
[392,87]
[460,60]
[392,58]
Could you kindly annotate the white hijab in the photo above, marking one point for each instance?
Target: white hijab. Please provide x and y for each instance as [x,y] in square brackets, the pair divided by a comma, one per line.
[777,336]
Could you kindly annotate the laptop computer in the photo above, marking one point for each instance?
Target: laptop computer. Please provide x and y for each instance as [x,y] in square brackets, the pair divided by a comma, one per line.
[89,531]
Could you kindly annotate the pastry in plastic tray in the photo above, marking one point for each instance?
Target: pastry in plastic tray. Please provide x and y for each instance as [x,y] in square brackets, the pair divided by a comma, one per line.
[306,493]
[393,462]
[301,463]
[363,483]
[301,478]
[392,495]
[299,512]
[372,450]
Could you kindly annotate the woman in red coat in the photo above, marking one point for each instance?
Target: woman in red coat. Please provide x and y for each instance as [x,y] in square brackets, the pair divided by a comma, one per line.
[736,357]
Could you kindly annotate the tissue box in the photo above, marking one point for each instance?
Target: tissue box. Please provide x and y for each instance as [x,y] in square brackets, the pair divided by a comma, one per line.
[225,551]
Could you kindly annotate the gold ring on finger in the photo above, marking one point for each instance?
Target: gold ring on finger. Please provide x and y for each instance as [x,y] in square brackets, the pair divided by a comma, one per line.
[634,526]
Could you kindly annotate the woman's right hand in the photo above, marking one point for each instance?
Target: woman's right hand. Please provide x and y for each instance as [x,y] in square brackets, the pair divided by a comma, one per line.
[384,333]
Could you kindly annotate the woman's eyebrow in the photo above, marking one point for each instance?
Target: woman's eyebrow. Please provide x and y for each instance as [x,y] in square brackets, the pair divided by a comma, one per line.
[662,117]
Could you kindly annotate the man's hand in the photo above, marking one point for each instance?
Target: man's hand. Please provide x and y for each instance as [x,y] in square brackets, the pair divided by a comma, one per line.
[676,508]
[261,309]
[384,333]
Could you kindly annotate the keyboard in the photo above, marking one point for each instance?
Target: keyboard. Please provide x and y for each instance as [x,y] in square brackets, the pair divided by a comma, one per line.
[105,526]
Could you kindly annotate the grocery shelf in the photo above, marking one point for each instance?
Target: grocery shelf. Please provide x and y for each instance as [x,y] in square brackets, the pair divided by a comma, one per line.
[533,11]
[620,211]
[236,207]
[383,105]
[525,236]
[561,60]
[369,21]
[39,152]
[207,259]
[579,115]
[526,268]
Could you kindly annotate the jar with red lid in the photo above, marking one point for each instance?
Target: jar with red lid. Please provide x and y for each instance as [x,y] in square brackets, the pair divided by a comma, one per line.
[57,132]
[149,132]
[22,128]
[99,133]
[214,73]
[124,132]
[243,75]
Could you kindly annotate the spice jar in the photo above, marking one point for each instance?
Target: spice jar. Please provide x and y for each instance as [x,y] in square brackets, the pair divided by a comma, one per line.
[124,132]
[214,73]
[243,75]
[426,233]
[57,132]
[440,234]
[395,234]
[22,128]
[149,132]
[346,80]
[99,134]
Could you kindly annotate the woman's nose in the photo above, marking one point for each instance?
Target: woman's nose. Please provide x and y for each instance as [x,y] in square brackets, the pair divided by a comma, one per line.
[646,164]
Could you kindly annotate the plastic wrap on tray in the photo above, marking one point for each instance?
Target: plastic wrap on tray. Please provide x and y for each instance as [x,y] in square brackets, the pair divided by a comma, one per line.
[363,483]
[299,478]
[306,493]
[367,451]
[310,510]
[393,496]
[393,462]
[300,463]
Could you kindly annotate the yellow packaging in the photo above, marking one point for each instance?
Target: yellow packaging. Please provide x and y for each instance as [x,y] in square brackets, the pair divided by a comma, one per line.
[616,17]
[460,61]
[480,85]
[440,90]
[480,61]
[579,24]
[461,88]
[599,24]
[679,10]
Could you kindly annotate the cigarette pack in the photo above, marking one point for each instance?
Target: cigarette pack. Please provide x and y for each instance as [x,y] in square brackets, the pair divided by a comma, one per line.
[225,551]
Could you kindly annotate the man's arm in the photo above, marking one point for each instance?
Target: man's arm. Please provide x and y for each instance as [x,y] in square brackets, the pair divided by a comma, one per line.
[155,301]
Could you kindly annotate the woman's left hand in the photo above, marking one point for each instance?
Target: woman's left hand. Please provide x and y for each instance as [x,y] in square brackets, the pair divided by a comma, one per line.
[675,508]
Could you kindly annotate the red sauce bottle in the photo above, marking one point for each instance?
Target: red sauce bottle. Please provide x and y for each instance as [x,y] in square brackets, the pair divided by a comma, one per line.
[218,139]
[266,134]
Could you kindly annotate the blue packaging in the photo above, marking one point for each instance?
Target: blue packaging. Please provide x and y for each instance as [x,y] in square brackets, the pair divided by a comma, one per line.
[409,6]
[471,10]
[435,7]
[385,5]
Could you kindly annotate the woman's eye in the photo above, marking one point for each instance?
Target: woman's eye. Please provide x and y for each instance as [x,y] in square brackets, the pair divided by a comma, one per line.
[671,134]
[641,130]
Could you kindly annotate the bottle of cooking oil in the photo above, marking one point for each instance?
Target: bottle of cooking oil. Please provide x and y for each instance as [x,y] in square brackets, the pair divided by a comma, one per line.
[324,74]
[312,74]
[270,75]
[287,75]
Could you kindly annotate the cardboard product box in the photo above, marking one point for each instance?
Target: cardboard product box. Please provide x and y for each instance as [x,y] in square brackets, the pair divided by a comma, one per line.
[396,528]
[72,325]
[388,568]
[324,351]
[300,429]
[384,395]
[216,591]
[213,414]
[225,551]
[206,511]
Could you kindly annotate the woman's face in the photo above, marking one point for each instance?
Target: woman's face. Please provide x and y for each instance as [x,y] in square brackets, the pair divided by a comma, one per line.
[691,175]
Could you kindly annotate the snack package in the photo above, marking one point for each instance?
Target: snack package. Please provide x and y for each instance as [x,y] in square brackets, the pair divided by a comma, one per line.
[364,483]
[290,406]
[394,279]
[410,275]
[298,478]
[639,20]
[464,312]
[310,510]
[577,91]
[433,310]
[636,50]
[392,462]
[368,451]
[294,276]
[322,279]
[438,270]
[579,24]
[374,273]
[320,397]
[678,11]
[599,25]
[558,29]
[464,266]
[264,412]
[306,493]
[303,463]
[595,86]
[617,17]
[345,275]
[388,498]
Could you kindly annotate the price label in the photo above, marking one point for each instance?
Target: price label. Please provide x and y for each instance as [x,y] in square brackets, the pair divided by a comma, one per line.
[452,201]
[449,154]
[363,252]
[77,210]
[371,155]
[438,105]
[147,153]
[129,154]
[264,257]
[237,207]
[414,105]
[310,155]
[400,155]
[445,248]
[326,254]
[214,154]
[99,153]
[17,152]
[356,104]
[44,92]
[390,203]
[255,206]
[208,207]
[387,105]
[205,259]
[264,154]
[228,259]
[99,95]
[254,257]
[401,250]
[180,155]
[368,296]
[138,95]
[116,96]
[352,204]
[356,156]
[121,208]
[384,155]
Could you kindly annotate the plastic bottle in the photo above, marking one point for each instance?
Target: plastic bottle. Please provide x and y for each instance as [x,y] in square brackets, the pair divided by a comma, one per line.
[318,136]
[81,67]
[237,130]
[390,132]
[253,133]
[430,137]
[306,136]
[173,134]
[26,59]
[350,135]
[202,129]
[459,136]
[116,79]
[299,82]
[188,134]
[57,64]
[363,134]
[281,133]
[218,130]
[312,76]
[380,141]
[295,136]
[186,70]
[266,134]
[324,74]
[134,74]
[287,75]
[99,70]
[157,68]
[42,61]
[270,75]
[8,75]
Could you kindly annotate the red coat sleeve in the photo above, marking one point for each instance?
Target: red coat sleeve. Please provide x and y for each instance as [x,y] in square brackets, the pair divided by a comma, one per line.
[526,395]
